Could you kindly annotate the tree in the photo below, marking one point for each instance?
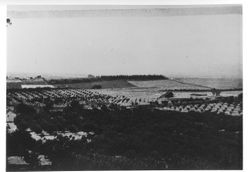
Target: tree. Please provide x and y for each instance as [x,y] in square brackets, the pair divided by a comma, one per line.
[8,21]
[240,96]
[168,94]
[96,86]
[25,109]
[48,105]
[31,158]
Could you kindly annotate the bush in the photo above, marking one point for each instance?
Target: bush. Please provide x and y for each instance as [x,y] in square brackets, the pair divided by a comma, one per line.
[96,87]
[154,138]
[24,109]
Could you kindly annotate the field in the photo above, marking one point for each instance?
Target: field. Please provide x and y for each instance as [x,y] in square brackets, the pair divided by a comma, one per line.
[219,83]
[102,84]
[163,84]
[123,139]
[27,83]
[124,128]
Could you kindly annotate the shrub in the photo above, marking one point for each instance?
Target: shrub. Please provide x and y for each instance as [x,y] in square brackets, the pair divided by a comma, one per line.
[96,87]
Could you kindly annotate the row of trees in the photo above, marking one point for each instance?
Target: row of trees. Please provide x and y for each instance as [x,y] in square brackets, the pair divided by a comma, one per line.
[132,77]
[108,78]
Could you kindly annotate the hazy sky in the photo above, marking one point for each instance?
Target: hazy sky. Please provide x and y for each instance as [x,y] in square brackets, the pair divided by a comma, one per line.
[174,41]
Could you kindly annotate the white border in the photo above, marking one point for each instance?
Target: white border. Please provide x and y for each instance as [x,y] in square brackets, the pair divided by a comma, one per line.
[3,86]
[121,2]
[246,43]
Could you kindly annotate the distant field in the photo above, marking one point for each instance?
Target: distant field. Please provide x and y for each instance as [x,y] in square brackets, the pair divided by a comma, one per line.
[133,93]
[206,82]
[14,85]
[103,84]
[19,85]
[151,94]
[222,83]
[86,85]
[179,84]
[164,84]
[150,90]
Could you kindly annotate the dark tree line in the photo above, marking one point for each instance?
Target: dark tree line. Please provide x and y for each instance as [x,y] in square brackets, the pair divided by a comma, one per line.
[133,77]
[108,78]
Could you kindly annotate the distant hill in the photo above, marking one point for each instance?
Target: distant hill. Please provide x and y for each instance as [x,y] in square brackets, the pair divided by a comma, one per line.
[17,82]
[97,84]
[133,77]
[108,78]
[108,81]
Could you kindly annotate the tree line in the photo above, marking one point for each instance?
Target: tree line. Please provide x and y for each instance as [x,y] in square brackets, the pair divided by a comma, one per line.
[108,78]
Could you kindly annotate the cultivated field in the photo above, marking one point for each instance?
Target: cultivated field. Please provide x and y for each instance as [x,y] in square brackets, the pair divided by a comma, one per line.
[123,128]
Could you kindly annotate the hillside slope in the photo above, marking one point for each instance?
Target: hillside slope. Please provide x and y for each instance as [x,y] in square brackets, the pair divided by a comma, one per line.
[103,84]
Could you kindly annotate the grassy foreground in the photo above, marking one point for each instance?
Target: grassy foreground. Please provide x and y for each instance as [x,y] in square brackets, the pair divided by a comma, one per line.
[129,139]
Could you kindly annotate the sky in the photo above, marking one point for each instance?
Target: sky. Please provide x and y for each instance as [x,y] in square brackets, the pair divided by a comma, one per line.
[186,41]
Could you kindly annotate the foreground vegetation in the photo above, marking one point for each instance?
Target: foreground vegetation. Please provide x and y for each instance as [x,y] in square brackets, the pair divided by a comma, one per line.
[124,139]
